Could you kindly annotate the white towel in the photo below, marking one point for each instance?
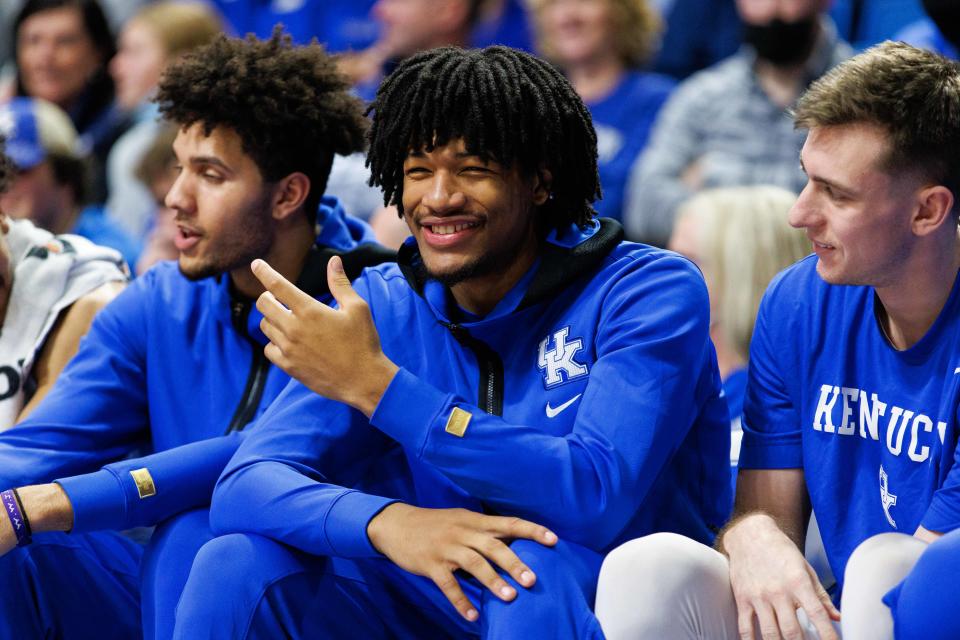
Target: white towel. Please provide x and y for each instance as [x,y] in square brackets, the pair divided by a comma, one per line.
[49,274]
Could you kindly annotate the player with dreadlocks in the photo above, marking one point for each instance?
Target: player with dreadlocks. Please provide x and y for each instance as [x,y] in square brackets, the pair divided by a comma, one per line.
[553,389]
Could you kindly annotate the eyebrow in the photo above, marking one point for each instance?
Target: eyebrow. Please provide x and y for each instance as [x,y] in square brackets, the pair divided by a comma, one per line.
[460,154]
[830,183]
[215,161]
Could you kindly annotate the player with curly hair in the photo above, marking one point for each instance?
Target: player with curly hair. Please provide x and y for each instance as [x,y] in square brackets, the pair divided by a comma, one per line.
[175,366]
[552,388]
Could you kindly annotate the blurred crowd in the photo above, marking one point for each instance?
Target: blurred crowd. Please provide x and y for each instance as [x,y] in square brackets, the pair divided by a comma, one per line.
[691,103]
[689,98]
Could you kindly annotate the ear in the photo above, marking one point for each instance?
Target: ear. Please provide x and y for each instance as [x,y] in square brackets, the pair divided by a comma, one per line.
[542,186]
[289,194]
[935,208]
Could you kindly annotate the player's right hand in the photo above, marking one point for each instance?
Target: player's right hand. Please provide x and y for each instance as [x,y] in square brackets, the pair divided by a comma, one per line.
[435,543]
[771,579]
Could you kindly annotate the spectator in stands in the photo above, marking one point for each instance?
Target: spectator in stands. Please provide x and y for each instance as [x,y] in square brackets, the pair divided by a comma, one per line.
[62,49]
[851,407]
[50,289]
[50,187]
[727,125]
[740,239]
[156,35]
[600,45]
[175,363]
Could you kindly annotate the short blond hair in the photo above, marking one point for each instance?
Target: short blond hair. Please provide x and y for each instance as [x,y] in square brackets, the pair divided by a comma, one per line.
[637,28]
[745,241]
[181,25]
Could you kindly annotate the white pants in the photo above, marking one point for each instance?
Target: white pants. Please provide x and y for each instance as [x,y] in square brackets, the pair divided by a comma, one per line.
[666,586]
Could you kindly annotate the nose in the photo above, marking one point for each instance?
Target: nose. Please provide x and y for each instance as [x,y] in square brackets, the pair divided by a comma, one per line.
[444,195]
[179,197]
[803,213]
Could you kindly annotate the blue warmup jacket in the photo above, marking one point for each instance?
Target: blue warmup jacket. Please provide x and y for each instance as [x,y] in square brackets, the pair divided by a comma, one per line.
[170,366]
[588,400]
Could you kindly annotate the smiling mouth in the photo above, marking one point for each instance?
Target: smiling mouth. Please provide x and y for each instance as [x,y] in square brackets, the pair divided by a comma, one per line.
[448,229]
[821,245]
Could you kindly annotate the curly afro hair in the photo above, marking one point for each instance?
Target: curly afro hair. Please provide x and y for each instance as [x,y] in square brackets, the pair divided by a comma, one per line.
[288,104]
[7,169]
[506,105]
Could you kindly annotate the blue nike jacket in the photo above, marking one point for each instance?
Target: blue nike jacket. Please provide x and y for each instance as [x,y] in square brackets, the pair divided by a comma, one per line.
[588,401]
[171,366]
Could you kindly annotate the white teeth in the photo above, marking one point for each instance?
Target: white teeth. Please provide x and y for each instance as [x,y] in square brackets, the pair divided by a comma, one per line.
[446,229]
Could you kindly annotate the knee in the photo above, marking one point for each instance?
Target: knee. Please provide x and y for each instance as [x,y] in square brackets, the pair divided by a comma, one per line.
[675,559]
[240,559]
[564,562]
[880,559]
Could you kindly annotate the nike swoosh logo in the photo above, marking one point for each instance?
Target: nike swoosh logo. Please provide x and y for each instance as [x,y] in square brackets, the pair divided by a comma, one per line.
[553,412]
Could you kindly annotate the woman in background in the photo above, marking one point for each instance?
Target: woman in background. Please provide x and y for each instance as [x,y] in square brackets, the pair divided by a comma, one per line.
[740,239]
[155,36]
[62,49]
[601,46]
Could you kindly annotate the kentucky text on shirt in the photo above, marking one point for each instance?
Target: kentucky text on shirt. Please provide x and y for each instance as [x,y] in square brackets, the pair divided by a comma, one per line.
[870,411]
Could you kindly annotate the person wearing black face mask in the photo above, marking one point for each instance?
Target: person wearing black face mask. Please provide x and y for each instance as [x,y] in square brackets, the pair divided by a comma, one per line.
[728,125]
[782,42]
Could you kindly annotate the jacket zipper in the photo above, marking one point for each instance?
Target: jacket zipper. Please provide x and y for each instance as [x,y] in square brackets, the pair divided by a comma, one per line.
[256,378]
[490,392]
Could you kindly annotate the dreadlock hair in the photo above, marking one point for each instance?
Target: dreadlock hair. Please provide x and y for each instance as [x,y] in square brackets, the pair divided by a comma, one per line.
[506,105]
[289,105]
[7,169]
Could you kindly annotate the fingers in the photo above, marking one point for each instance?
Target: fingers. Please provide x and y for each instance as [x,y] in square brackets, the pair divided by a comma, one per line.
[506,559]
[451,590]
[476,565]
[506,527]
[767,621]
[745,622]
[823,596]
[786,613]
[284,291]
[339,283]
[272,310]
[819,609]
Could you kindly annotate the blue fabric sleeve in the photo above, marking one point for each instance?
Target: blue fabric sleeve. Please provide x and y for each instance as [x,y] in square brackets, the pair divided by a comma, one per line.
[183,478]
[274,486]
[652,375]
[97,410]
[943,514]
[771,423]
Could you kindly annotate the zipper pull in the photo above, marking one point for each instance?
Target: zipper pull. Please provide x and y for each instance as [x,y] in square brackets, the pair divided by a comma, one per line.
[459,333]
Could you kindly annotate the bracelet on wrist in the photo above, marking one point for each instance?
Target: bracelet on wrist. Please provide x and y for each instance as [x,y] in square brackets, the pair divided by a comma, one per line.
[18,517]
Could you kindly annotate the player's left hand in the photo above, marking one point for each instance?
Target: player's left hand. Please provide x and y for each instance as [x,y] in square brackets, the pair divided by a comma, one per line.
[334,352]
